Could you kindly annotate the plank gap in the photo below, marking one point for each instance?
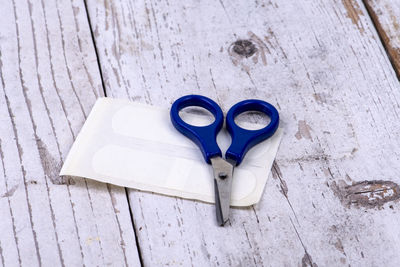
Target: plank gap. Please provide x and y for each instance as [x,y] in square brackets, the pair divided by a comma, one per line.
[95,48]
[134,228]
[382,36]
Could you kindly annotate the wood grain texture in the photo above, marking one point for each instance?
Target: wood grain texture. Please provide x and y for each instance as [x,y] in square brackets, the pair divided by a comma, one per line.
[333,197]
[49,80]
[386,16]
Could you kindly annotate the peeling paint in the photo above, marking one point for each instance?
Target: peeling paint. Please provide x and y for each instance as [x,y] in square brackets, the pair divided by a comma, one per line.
[307,261]
[303,130]
[51,166]
[284,188]
[322,98]
[10,192]
[353,13]
[339,246]
[368,194]
[262,47]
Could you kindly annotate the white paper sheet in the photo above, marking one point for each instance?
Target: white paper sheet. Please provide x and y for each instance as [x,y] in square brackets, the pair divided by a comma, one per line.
[136,146]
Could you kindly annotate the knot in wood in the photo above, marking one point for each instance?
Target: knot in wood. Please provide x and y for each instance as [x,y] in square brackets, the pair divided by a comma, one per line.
[244,48]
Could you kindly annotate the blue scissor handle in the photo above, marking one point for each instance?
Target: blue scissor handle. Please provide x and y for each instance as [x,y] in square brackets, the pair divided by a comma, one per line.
[205,137]
[242,139]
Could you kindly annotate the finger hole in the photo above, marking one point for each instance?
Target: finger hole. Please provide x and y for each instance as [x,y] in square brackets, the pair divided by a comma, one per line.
[252,120]
[196,116]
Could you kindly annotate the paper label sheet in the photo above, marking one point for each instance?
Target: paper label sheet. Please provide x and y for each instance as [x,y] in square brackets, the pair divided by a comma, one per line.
[135,145]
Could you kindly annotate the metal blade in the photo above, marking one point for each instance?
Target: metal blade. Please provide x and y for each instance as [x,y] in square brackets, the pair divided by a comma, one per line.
[223,173]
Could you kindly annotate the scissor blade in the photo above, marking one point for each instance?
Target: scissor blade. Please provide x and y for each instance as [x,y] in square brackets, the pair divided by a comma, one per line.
[223,172]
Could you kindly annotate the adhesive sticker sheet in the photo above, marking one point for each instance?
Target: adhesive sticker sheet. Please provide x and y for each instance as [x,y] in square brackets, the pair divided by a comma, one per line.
[135,145]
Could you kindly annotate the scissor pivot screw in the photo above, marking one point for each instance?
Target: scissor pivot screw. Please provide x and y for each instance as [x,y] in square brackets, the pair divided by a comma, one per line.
[222,175]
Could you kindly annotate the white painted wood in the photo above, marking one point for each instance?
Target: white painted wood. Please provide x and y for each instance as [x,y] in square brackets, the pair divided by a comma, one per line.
[49,82]
[322,65]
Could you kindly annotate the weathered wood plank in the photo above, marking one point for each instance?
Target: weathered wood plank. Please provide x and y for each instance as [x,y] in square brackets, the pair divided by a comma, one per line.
[49,82]
[386,16]
[322,64]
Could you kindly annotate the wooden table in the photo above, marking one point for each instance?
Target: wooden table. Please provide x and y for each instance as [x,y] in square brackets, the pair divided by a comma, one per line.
[329,66]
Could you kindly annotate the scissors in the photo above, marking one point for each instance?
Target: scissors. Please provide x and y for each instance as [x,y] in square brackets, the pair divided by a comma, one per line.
[205,137]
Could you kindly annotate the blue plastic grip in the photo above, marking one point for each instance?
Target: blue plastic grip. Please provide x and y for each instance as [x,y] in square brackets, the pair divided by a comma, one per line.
[242,139]
[205,137]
